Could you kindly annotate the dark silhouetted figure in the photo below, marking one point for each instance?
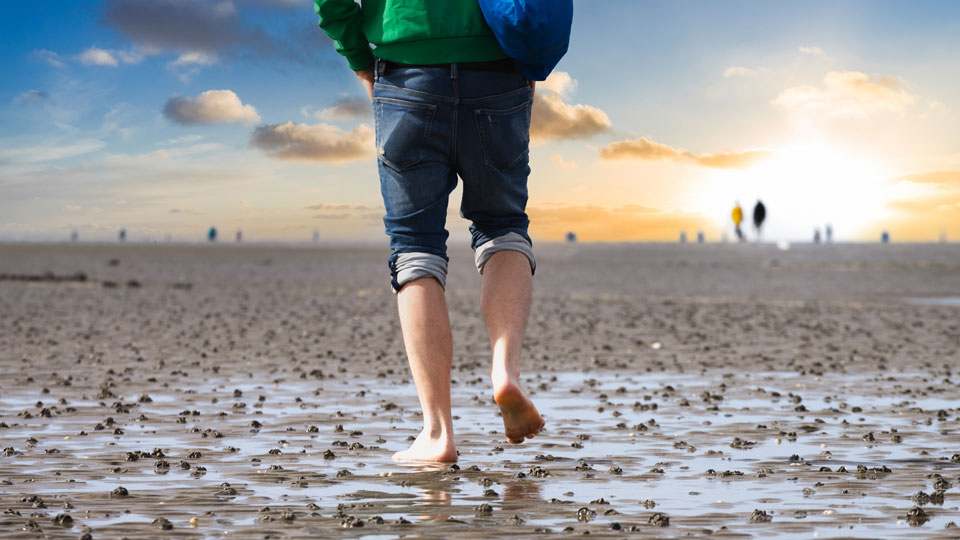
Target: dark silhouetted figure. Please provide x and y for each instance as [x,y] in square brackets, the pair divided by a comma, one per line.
[212,234]
[700,237]
[316,236]
[122,235]
[74,236]
[571,237]
[683,237]
[816,236]
[885,237]
[759,215]
[239,235]
[829,231]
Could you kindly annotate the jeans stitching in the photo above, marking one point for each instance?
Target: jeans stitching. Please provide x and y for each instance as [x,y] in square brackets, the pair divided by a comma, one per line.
[497,96]
[402,90]
[405,103]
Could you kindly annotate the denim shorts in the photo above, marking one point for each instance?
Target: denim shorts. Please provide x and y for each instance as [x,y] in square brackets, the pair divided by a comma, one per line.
[437,123]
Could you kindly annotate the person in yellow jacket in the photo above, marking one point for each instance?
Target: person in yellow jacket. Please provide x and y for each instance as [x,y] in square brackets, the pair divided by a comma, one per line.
[737,218]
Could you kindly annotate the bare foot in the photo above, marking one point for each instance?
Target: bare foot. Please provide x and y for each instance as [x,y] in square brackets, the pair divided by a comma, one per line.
[520,418]
[429,449]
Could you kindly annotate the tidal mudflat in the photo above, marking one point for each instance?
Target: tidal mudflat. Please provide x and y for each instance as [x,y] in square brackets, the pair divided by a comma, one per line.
[728,391]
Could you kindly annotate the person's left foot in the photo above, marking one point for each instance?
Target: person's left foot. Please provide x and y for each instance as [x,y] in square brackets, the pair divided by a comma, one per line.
[426,449]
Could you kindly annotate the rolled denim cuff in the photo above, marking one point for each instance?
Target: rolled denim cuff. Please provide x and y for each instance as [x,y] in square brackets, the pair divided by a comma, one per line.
[410,266]
[509,242]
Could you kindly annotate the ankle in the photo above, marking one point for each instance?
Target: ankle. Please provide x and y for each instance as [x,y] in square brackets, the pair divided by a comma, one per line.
[501,376]
[437,433]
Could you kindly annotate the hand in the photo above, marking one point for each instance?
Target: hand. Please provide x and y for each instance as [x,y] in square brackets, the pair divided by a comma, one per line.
[533,88]
[366,79]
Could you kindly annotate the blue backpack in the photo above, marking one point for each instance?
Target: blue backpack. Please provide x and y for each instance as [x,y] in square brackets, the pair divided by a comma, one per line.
[535,33]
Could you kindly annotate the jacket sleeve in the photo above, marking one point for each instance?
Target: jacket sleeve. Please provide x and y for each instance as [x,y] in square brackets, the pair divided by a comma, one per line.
[341,20]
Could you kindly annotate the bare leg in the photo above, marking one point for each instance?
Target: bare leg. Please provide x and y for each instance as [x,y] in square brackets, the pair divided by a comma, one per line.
[429,344]
[505,299]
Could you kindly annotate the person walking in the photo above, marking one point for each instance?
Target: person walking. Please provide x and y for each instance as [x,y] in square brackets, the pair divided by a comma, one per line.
[759,215]
[737,218]
[447,102]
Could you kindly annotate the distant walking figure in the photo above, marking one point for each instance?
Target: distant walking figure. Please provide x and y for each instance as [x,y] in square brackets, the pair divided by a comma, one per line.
[759,215]
[737,218]
[212,234]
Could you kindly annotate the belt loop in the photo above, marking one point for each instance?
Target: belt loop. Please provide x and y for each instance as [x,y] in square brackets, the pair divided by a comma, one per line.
[453,70]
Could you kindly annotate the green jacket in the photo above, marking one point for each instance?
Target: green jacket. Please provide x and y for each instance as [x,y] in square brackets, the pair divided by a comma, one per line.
[408,31]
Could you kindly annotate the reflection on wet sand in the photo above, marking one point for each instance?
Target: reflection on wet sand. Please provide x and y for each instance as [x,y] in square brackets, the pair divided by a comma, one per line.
[431,499]
[523,493]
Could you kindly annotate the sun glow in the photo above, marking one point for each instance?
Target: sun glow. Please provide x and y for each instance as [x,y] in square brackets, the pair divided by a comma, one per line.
[806,187]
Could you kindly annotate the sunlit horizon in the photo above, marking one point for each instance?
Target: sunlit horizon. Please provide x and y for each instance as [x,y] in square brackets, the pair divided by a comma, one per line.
[841,115]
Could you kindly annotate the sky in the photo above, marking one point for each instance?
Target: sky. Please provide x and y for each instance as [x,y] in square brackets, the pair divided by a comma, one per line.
[166,117]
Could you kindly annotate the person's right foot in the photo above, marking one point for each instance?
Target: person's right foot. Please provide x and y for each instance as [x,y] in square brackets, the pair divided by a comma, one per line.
[520,418]
[426,449]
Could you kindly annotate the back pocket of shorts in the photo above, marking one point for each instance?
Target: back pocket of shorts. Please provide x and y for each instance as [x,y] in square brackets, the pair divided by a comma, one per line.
[504,135]
[402,130]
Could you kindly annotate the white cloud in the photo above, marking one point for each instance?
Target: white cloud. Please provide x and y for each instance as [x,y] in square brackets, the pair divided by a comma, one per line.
[649,150]
[39,154]
[949,207]
[95,56]
[134,56]
[345,107]
[98,57]
[185,139]
[847,94]
[738,71]
[194,58]
[210,107]
[815,51]
[50,57]
[553,118]
[186,151]
[320,142]
[562,163]
[188,64]
[559,82]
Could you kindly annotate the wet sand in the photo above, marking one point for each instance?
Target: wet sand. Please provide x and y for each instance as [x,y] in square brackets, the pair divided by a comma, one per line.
[726,391]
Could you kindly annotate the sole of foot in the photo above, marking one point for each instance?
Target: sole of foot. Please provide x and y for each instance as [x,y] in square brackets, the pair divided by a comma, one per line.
[520,418]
